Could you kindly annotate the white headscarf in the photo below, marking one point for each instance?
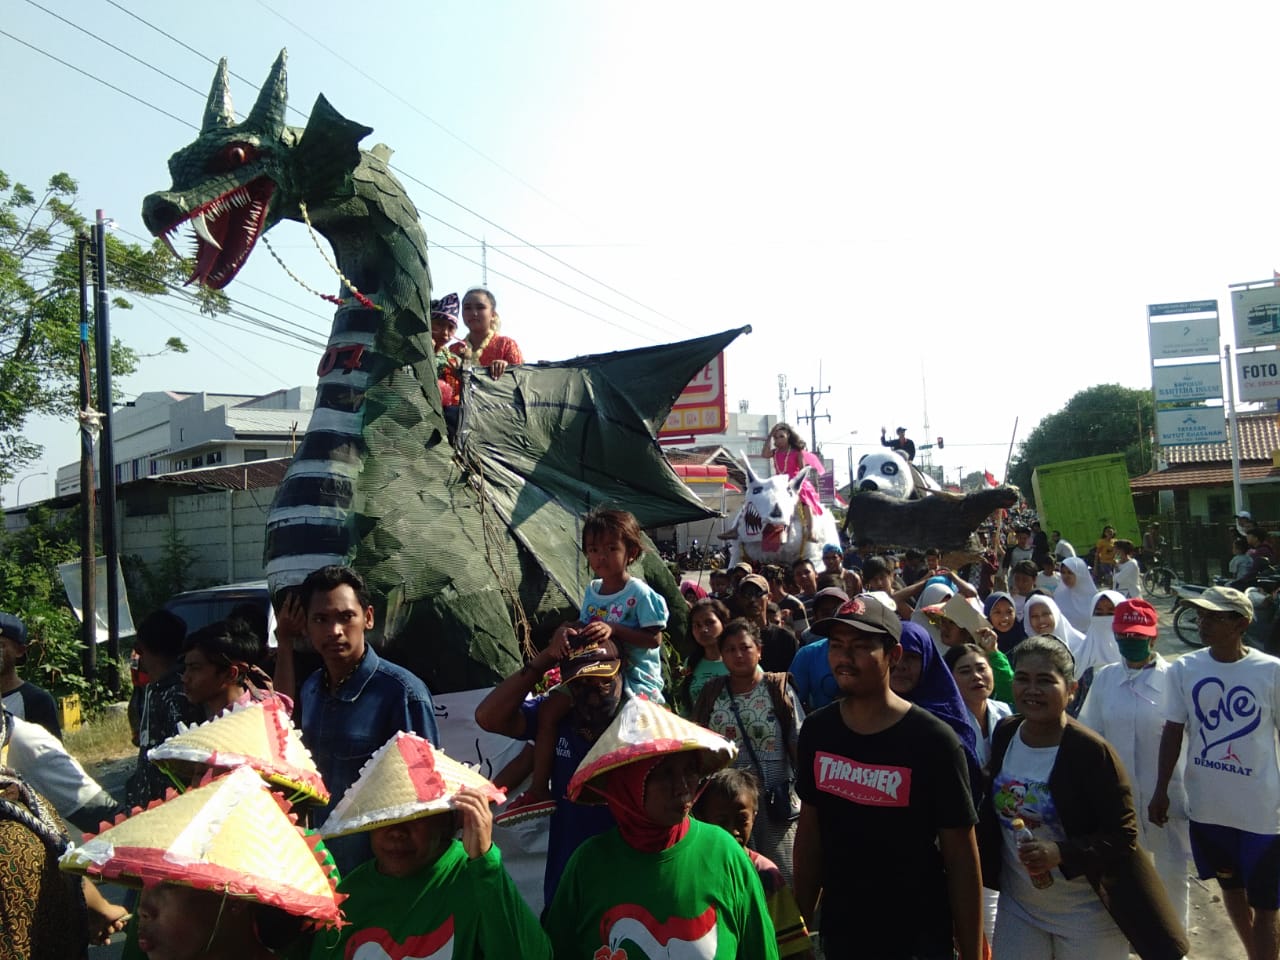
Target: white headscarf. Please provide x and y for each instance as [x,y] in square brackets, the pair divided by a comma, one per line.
[1099,647]
[1076,603]
[1062,628]
[930,595]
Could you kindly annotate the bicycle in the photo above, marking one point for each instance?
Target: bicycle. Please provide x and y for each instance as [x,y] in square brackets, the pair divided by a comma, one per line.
[1158,580]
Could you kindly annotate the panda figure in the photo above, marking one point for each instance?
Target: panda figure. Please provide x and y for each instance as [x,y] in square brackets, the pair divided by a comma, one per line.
[891,473]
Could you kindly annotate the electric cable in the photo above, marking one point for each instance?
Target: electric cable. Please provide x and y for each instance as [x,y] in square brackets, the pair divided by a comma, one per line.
[441,194]
[404,173]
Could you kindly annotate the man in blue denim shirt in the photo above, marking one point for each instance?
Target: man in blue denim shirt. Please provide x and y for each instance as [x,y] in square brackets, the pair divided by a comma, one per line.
[357,701]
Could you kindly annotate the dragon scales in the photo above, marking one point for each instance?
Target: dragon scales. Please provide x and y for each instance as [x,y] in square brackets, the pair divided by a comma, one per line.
[375,482]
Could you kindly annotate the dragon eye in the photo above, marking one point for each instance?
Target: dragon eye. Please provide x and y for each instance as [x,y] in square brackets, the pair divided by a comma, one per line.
[231,156]
[756,489]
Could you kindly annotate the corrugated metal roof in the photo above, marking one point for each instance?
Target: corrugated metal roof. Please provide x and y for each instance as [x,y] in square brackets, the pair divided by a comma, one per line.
[235,476]
[1181,478]
[1259,436]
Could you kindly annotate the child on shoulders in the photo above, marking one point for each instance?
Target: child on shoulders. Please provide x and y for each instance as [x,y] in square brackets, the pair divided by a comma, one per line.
[616,607]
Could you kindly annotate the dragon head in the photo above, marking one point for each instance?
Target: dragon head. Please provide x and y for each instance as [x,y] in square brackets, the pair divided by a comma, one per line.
[237,180]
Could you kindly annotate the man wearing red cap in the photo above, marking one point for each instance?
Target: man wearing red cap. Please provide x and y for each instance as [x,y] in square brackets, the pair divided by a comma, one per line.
[1127,704]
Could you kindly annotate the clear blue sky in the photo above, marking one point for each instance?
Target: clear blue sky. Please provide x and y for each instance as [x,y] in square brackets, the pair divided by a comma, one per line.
[985,196]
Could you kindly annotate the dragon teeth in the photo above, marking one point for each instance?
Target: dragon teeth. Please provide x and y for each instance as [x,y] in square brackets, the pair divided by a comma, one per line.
[202,231]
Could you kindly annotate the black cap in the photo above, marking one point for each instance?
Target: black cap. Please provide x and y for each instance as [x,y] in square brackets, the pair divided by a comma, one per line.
[864,612]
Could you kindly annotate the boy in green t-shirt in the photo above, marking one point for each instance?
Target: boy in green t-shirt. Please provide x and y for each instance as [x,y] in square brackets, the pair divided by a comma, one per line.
[426,894]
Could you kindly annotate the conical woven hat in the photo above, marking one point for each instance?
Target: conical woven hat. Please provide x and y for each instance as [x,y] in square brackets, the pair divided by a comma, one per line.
[643,729]
[230,835]
[258,735]
[406,779]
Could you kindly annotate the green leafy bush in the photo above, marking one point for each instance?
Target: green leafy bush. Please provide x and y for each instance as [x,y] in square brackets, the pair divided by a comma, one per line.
[31,589]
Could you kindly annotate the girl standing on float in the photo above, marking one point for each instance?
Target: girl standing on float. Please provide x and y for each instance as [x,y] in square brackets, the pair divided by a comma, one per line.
[482,346]
[786,451]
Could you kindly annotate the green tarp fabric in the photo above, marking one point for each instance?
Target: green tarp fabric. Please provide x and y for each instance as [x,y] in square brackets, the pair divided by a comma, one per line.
[553,440]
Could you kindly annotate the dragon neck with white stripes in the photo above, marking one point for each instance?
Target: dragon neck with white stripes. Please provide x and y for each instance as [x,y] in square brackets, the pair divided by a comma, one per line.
[372,483]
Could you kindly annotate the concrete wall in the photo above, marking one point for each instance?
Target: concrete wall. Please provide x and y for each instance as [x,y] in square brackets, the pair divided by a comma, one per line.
[225,529]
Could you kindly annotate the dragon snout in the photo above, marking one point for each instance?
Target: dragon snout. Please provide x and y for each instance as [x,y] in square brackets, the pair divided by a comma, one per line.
[159,213]
[776,512]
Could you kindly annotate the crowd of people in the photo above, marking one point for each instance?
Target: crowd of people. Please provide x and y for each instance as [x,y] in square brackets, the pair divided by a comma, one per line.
[877,756]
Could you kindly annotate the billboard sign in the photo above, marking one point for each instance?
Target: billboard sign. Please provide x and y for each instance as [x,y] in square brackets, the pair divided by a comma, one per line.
[1191,425]
[700,407]
[1258,375]
[1176,339]
[1188,382]
[1186,306]
[1257,316]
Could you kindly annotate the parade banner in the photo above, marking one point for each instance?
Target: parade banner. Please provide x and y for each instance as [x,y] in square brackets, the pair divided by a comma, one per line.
[1258,375]
[1191,425]
[1257,316]
[1188,382]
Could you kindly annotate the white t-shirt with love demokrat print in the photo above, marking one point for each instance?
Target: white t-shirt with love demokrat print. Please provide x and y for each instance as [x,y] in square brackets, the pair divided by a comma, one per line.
[1231,713]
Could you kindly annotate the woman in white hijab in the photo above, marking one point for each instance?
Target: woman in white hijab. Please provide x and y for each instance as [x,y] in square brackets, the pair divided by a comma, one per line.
[1099,647]
[932,595]
[1075,596]
[1042,617]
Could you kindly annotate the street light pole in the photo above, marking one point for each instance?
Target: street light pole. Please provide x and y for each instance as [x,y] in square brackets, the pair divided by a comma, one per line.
[18,496]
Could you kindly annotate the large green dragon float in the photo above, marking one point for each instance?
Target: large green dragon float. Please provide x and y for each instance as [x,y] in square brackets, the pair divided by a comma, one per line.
[466,543]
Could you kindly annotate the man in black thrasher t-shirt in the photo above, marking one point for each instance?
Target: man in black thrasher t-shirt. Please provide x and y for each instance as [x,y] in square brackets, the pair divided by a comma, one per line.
[886,821]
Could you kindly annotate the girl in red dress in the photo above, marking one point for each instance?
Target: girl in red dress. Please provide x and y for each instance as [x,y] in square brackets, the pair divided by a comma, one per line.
[483,347]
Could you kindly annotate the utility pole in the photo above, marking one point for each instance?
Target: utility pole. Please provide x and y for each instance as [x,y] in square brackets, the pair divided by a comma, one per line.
[106,451]
[484,264]
[88,430]
[813,417]
[782,397]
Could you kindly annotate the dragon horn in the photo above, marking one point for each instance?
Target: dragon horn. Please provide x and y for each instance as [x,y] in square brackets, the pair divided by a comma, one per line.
[218,112]
[267,115]
[751,474]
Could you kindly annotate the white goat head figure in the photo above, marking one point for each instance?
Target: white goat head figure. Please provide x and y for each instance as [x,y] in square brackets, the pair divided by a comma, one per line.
[769,508]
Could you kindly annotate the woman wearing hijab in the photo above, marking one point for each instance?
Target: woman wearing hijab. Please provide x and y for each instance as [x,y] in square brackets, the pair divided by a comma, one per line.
[1000,609]
[1098,647]
[692,592]
[1075,596]
[1042,617]
[933,595]
[659,883]
[922,677]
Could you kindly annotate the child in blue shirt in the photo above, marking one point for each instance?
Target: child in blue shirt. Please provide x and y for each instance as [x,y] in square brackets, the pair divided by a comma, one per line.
[616,607]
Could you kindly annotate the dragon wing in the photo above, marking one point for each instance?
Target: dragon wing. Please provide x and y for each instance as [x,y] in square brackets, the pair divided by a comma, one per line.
[549,441]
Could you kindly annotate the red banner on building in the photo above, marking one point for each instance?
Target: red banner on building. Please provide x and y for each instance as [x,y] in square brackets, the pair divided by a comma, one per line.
[700,408]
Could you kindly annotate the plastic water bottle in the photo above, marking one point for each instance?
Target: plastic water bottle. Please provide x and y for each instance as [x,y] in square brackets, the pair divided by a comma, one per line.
[1022,835]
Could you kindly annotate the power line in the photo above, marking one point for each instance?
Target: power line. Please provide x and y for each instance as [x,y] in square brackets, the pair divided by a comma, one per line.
[85,73]
[414,107]
[179,293]
[530,266]
[549,296]
[121,50]
[404,173]
[442,195]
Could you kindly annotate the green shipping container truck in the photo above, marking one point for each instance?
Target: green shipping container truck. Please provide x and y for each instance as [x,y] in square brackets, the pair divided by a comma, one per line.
[1080,497]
